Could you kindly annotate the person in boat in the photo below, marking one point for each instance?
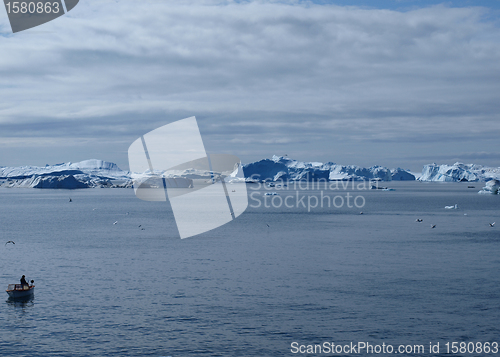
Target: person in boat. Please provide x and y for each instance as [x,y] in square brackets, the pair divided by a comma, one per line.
[23,281]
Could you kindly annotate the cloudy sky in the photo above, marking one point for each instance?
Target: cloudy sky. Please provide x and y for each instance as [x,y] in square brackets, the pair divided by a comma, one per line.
[389,82]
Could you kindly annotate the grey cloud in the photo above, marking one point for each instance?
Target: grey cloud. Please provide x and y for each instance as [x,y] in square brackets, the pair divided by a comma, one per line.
[473,157]
[313,76]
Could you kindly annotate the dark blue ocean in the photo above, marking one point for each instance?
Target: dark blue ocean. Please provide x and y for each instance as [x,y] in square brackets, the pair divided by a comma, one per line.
[272,277]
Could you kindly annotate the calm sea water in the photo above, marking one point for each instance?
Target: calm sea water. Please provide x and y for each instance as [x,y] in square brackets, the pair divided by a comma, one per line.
[252,287]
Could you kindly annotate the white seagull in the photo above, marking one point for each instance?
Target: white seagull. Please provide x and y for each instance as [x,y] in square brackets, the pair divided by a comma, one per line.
[116,222]
[451,207]
[492,224]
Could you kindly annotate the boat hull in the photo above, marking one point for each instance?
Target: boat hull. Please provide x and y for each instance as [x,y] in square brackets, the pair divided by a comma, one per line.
[21,294]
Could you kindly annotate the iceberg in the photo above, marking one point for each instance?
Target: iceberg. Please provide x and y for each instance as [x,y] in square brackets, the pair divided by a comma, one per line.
[61,181]
[399,174]
[84,174]
[492,187]
[458,172]
[280,168]
[266,170]
[99,173]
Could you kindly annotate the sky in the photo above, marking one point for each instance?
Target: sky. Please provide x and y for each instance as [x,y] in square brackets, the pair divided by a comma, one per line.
[397,83]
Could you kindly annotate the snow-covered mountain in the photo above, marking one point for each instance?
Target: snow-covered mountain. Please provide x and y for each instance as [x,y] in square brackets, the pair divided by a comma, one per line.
[459,172]
[283,168]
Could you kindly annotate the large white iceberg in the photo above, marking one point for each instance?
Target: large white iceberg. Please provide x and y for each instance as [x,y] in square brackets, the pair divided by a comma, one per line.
[88,173]
[459,172]
[283,168]
[62,181]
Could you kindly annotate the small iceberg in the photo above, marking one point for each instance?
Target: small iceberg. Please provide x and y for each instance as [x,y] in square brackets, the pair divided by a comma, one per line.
[492,187]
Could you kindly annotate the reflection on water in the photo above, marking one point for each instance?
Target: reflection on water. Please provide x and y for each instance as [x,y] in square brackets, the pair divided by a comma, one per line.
[23,302]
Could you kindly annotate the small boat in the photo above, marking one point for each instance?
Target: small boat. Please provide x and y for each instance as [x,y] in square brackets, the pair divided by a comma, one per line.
[20,291]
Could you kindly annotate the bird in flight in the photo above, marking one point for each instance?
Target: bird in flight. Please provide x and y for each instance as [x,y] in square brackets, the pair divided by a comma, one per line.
[116,222]
[10,241]
[492,224]
[433,226]
[419,220]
